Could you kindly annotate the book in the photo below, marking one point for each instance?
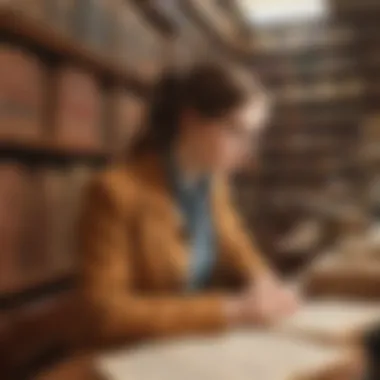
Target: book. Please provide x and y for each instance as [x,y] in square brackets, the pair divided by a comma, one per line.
[63,191]
[75,184]
[78,109]
[32,261]
[55,190]
[23,91]
[13,184]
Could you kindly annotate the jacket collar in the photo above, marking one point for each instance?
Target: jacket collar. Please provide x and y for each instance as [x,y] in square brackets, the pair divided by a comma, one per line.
[149,168]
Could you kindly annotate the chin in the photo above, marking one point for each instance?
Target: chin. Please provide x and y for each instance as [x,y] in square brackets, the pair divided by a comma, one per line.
[223,168]
[226,170]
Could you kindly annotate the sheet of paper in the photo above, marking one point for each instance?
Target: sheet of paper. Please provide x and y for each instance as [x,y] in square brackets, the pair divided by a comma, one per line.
[332,319]
[243,355]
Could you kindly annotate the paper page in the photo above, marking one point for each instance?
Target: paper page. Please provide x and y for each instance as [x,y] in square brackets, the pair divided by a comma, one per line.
[243,355]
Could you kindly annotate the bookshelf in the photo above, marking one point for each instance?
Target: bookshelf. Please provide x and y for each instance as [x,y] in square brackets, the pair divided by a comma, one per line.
[324,78]
[12,147]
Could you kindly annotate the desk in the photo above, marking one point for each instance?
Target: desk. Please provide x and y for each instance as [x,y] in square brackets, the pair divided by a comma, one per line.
[79,367]
[338,277]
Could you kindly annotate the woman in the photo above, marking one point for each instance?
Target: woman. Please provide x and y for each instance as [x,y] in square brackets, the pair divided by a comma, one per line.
[164,252]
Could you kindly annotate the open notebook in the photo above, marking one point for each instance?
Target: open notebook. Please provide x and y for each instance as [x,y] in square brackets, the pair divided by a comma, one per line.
[243,355]
[291,350]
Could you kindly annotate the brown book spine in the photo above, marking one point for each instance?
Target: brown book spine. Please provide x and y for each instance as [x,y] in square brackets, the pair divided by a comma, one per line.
[64,193]
[78,109]
[55,190]
[76,182]
[22,91]
[13,181]
[33,261]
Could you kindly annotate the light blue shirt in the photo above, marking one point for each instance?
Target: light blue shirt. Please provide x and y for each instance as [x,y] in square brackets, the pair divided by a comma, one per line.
[193,199]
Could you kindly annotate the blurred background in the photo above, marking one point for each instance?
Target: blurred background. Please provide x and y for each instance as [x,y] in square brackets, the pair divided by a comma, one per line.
[75,79]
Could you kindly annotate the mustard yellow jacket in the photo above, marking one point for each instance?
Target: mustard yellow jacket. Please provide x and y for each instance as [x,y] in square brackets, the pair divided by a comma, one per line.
[135,256]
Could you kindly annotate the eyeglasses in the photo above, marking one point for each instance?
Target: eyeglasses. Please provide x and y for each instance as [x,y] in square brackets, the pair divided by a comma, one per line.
[242,133]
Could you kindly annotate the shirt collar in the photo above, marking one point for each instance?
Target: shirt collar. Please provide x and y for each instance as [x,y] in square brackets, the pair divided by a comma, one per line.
[179,180]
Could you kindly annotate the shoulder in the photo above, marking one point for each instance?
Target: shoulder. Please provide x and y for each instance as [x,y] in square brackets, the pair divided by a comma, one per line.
[116,185]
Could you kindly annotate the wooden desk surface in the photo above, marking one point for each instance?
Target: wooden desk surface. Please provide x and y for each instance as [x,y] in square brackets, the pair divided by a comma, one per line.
[345,279]
[76,368]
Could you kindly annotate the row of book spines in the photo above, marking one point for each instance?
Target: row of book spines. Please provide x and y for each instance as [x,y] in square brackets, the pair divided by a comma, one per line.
[67,105]
[39,209]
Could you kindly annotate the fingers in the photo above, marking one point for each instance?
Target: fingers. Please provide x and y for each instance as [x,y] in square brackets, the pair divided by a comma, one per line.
[273,300]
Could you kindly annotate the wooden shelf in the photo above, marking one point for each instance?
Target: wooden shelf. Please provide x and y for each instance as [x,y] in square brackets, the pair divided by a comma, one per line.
[32,289]
[260,57]
[364,40]
[278,76]
[11,147]
[317,102]
[44,36]
[306,153]
[292,142]
[338,128]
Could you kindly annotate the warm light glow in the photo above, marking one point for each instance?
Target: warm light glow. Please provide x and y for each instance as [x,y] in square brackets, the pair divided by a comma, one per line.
[280,11]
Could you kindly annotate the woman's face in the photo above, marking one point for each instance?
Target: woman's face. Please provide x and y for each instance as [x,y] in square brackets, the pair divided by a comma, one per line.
[222,145]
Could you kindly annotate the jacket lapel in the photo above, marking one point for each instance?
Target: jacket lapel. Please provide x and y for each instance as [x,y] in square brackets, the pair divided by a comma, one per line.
[168,221]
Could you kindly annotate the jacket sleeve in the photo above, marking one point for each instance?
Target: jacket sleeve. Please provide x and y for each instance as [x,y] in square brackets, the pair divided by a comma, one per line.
[118,310]
[242,257]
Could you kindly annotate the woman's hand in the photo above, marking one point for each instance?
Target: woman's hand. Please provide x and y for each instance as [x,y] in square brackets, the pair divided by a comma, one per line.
[264,303]
[280,296]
